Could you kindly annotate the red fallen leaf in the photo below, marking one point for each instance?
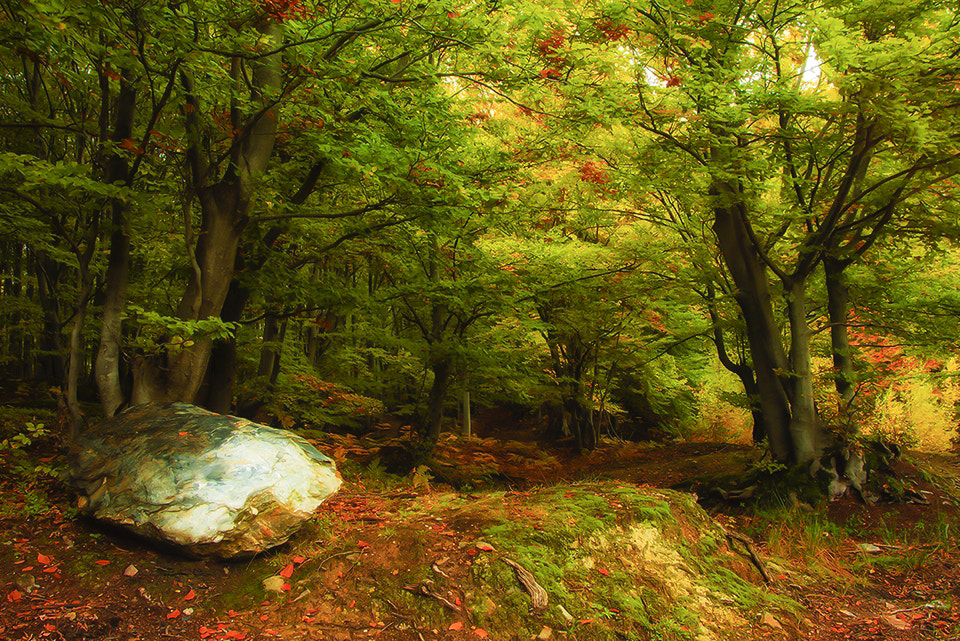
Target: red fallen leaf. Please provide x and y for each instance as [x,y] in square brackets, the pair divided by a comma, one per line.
[472,552]
[13,596]
[362,544]
[352,603]
[264,617]
[603,571]
[234,634]
[51,569]
[568,495]
[287,572]
[486,547]
[49,627]
[102,562]
[456,625]
[285,587]
[182,433]
[43,559]
[298,559]
[189,596]
[307,619]
[173,614]
[26,569]
[206,632]
[585,621]
[231,613]
[480,632]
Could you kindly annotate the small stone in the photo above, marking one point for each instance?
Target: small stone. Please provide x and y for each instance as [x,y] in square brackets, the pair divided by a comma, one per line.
[869,548]
[566,615]
[26,582]
[274,584]
[187,611]
[545,633]
[771,621]
[130,570]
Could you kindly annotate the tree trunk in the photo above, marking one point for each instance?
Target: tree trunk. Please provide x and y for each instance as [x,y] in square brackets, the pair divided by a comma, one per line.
[763,335]
[107,365]
[838,305]
[438,394]
[804,426]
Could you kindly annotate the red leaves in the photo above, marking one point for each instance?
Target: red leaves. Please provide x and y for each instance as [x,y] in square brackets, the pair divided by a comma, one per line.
[287,572]
[43,559]
[612,31]
[706,16]
[673,81]
[173,614]
[456,625]
[102,562]
[190,596]
[362,544]
[13,596]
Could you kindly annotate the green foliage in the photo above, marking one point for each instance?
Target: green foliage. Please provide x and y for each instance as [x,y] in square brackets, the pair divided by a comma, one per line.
[304,401]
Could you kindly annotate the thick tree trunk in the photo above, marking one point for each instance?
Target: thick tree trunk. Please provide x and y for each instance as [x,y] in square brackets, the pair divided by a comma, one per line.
[222,373]
[763,335]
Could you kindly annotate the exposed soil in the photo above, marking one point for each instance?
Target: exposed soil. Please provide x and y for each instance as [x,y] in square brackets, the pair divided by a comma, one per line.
[65,578]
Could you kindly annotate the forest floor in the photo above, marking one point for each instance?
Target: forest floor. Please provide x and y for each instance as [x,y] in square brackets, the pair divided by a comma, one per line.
[846,571]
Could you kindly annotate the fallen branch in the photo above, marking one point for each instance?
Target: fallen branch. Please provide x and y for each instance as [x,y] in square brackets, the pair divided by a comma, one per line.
[750,553]
[422,589]
[538,596]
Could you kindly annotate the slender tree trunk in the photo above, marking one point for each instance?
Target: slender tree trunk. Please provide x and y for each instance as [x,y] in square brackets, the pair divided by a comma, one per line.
[107,365]
[804,426]
[441,369]
[838,304]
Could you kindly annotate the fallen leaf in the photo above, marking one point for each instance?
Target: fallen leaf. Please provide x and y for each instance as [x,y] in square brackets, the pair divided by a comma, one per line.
[130,570]
[173,614]
[456,625]
[182,433]
[102,562]
[486,547]
[895,622]
[51,569]
[189,596]
[287,572]
[298,559]
[285,587]
[480,632]
[264,617]
[13,596]
[234,634]
[43,558]
[49,627]
[362,544]
[603,571]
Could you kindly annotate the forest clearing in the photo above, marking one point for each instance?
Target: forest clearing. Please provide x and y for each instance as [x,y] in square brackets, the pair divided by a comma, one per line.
[412,557]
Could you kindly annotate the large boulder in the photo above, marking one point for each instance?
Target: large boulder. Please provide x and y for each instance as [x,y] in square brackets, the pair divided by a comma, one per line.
[207,483]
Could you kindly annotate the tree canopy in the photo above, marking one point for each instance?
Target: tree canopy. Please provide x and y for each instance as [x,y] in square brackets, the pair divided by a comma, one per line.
[318,212]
